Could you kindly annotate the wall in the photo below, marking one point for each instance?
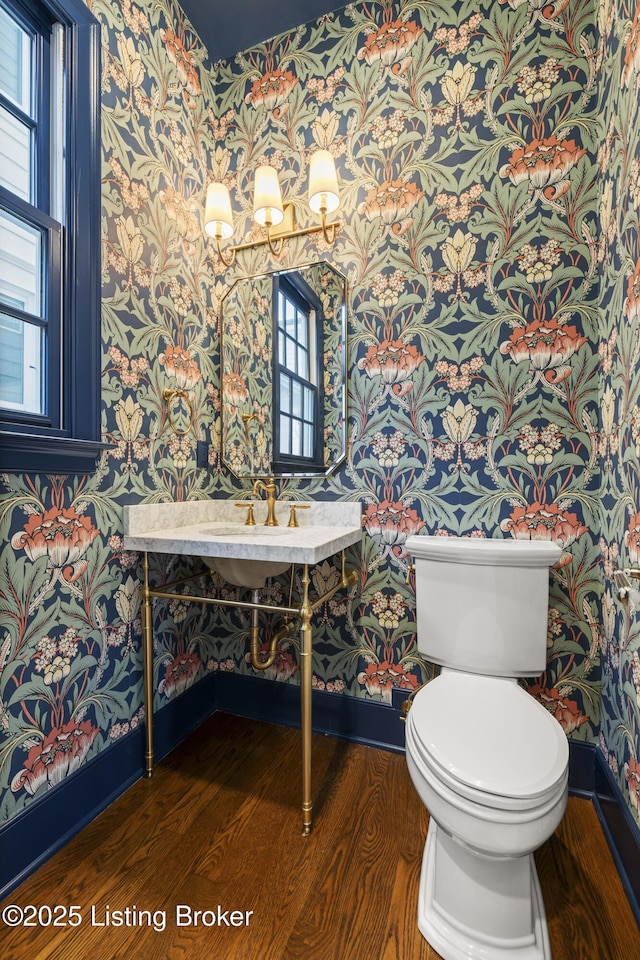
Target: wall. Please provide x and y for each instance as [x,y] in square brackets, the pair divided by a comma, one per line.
[619,267]
[70,635]
[465,137]
[465,143]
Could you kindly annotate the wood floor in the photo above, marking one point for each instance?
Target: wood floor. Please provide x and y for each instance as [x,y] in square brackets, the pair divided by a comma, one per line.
[219,826]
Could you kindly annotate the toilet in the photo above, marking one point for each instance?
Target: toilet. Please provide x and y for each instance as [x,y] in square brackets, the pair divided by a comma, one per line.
[488,761]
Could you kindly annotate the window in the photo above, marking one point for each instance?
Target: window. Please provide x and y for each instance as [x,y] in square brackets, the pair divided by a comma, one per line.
[49,236]
[297,375]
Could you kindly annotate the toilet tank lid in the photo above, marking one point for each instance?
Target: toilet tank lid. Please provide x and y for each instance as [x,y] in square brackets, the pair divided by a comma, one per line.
[498,553]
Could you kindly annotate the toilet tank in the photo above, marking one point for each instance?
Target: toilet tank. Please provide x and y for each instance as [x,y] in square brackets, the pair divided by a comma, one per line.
[482,604]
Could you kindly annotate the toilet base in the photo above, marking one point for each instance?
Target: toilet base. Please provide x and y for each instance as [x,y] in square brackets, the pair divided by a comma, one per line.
[480,908]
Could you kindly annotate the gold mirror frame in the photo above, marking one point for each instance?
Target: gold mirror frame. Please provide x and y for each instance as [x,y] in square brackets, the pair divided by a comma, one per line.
[247,336]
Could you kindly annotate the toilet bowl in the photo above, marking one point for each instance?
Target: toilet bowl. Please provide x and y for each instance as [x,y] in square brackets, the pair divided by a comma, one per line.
[487,760]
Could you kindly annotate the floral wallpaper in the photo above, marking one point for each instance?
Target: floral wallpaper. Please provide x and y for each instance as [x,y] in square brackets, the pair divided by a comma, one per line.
[246,349]
[619,268]
[69,592]
[489,223]
[465,141]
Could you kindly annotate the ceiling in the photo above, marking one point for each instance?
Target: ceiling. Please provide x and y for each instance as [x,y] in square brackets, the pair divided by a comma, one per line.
[228,26]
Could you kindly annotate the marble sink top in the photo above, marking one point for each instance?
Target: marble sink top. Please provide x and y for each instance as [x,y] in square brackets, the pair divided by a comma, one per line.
[215,528]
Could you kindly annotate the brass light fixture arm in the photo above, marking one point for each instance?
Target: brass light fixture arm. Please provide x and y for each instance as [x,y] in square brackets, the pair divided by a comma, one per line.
[246,419]
[328,230]
[232,259]
[325,227]
[276,253]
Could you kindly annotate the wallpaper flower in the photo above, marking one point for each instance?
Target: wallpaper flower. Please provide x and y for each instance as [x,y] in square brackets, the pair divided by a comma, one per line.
[619,269]
[488,159]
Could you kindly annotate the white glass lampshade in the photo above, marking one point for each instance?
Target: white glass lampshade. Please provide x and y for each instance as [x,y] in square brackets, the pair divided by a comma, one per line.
[267,198]
[323,183]
[218,220]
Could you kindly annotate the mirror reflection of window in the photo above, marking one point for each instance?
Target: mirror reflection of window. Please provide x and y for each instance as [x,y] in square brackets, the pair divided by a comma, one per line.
[297,384]
[307,382]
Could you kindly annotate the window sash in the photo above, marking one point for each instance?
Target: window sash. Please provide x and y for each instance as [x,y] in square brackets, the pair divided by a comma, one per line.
[21,55]
[39,322]
[72,441]
[47,317]
[296,391]
[21,346]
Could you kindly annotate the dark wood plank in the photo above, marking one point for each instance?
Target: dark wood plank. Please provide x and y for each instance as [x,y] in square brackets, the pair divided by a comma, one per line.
[220,824]
[588,913]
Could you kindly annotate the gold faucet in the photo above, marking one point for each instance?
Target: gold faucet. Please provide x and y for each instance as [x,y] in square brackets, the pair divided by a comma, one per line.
[270,489]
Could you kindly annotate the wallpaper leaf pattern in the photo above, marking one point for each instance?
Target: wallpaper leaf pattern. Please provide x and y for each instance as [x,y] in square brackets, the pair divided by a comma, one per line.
[618,256]
[488,157]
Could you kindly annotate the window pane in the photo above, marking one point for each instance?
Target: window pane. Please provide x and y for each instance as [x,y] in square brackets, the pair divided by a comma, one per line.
[291,355]
[15,62]
[308,440]
[15,155]
[58,111]
[308,405]
[20,264]
[296,438]
[285,387]
[297,398]
[290,318]
[303,326]
[303,363]
[284,434]
[20,365]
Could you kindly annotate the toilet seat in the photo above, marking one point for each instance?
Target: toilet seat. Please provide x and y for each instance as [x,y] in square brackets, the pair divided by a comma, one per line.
[470,758]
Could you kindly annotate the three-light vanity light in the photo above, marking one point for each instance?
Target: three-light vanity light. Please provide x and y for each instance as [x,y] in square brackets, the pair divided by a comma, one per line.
[268,209]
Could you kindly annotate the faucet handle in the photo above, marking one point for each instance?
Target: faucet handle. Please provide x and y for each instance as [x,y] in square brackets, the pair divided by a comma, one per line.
[293,520]
[251,520]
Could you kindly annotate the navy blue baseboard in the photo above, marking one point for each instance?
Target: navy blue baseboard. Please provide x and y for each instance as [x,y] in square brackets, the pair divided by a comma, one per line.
[620,829]
[581,768]
[369,722]
[34,835]
[39,831]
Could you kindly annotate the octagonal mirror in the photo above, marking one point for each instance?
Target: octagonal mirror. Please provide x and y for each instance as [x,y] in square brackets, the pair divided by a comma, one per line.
[283,345]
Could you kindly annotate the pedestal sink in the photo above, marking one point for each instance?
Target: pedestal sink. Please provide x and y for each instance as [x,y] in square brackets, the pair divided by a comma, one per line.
[245,555]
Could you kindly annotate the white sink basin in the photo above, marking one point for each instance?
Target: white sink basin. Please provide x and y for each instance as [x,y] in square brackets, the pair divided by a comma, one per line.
[241,531]
[246,573]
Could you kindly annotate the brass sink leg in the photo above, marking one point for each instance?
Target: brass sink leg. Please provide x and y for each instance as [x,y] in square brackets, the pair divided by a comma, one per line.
[306,669]
[147,654]
[290,613]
